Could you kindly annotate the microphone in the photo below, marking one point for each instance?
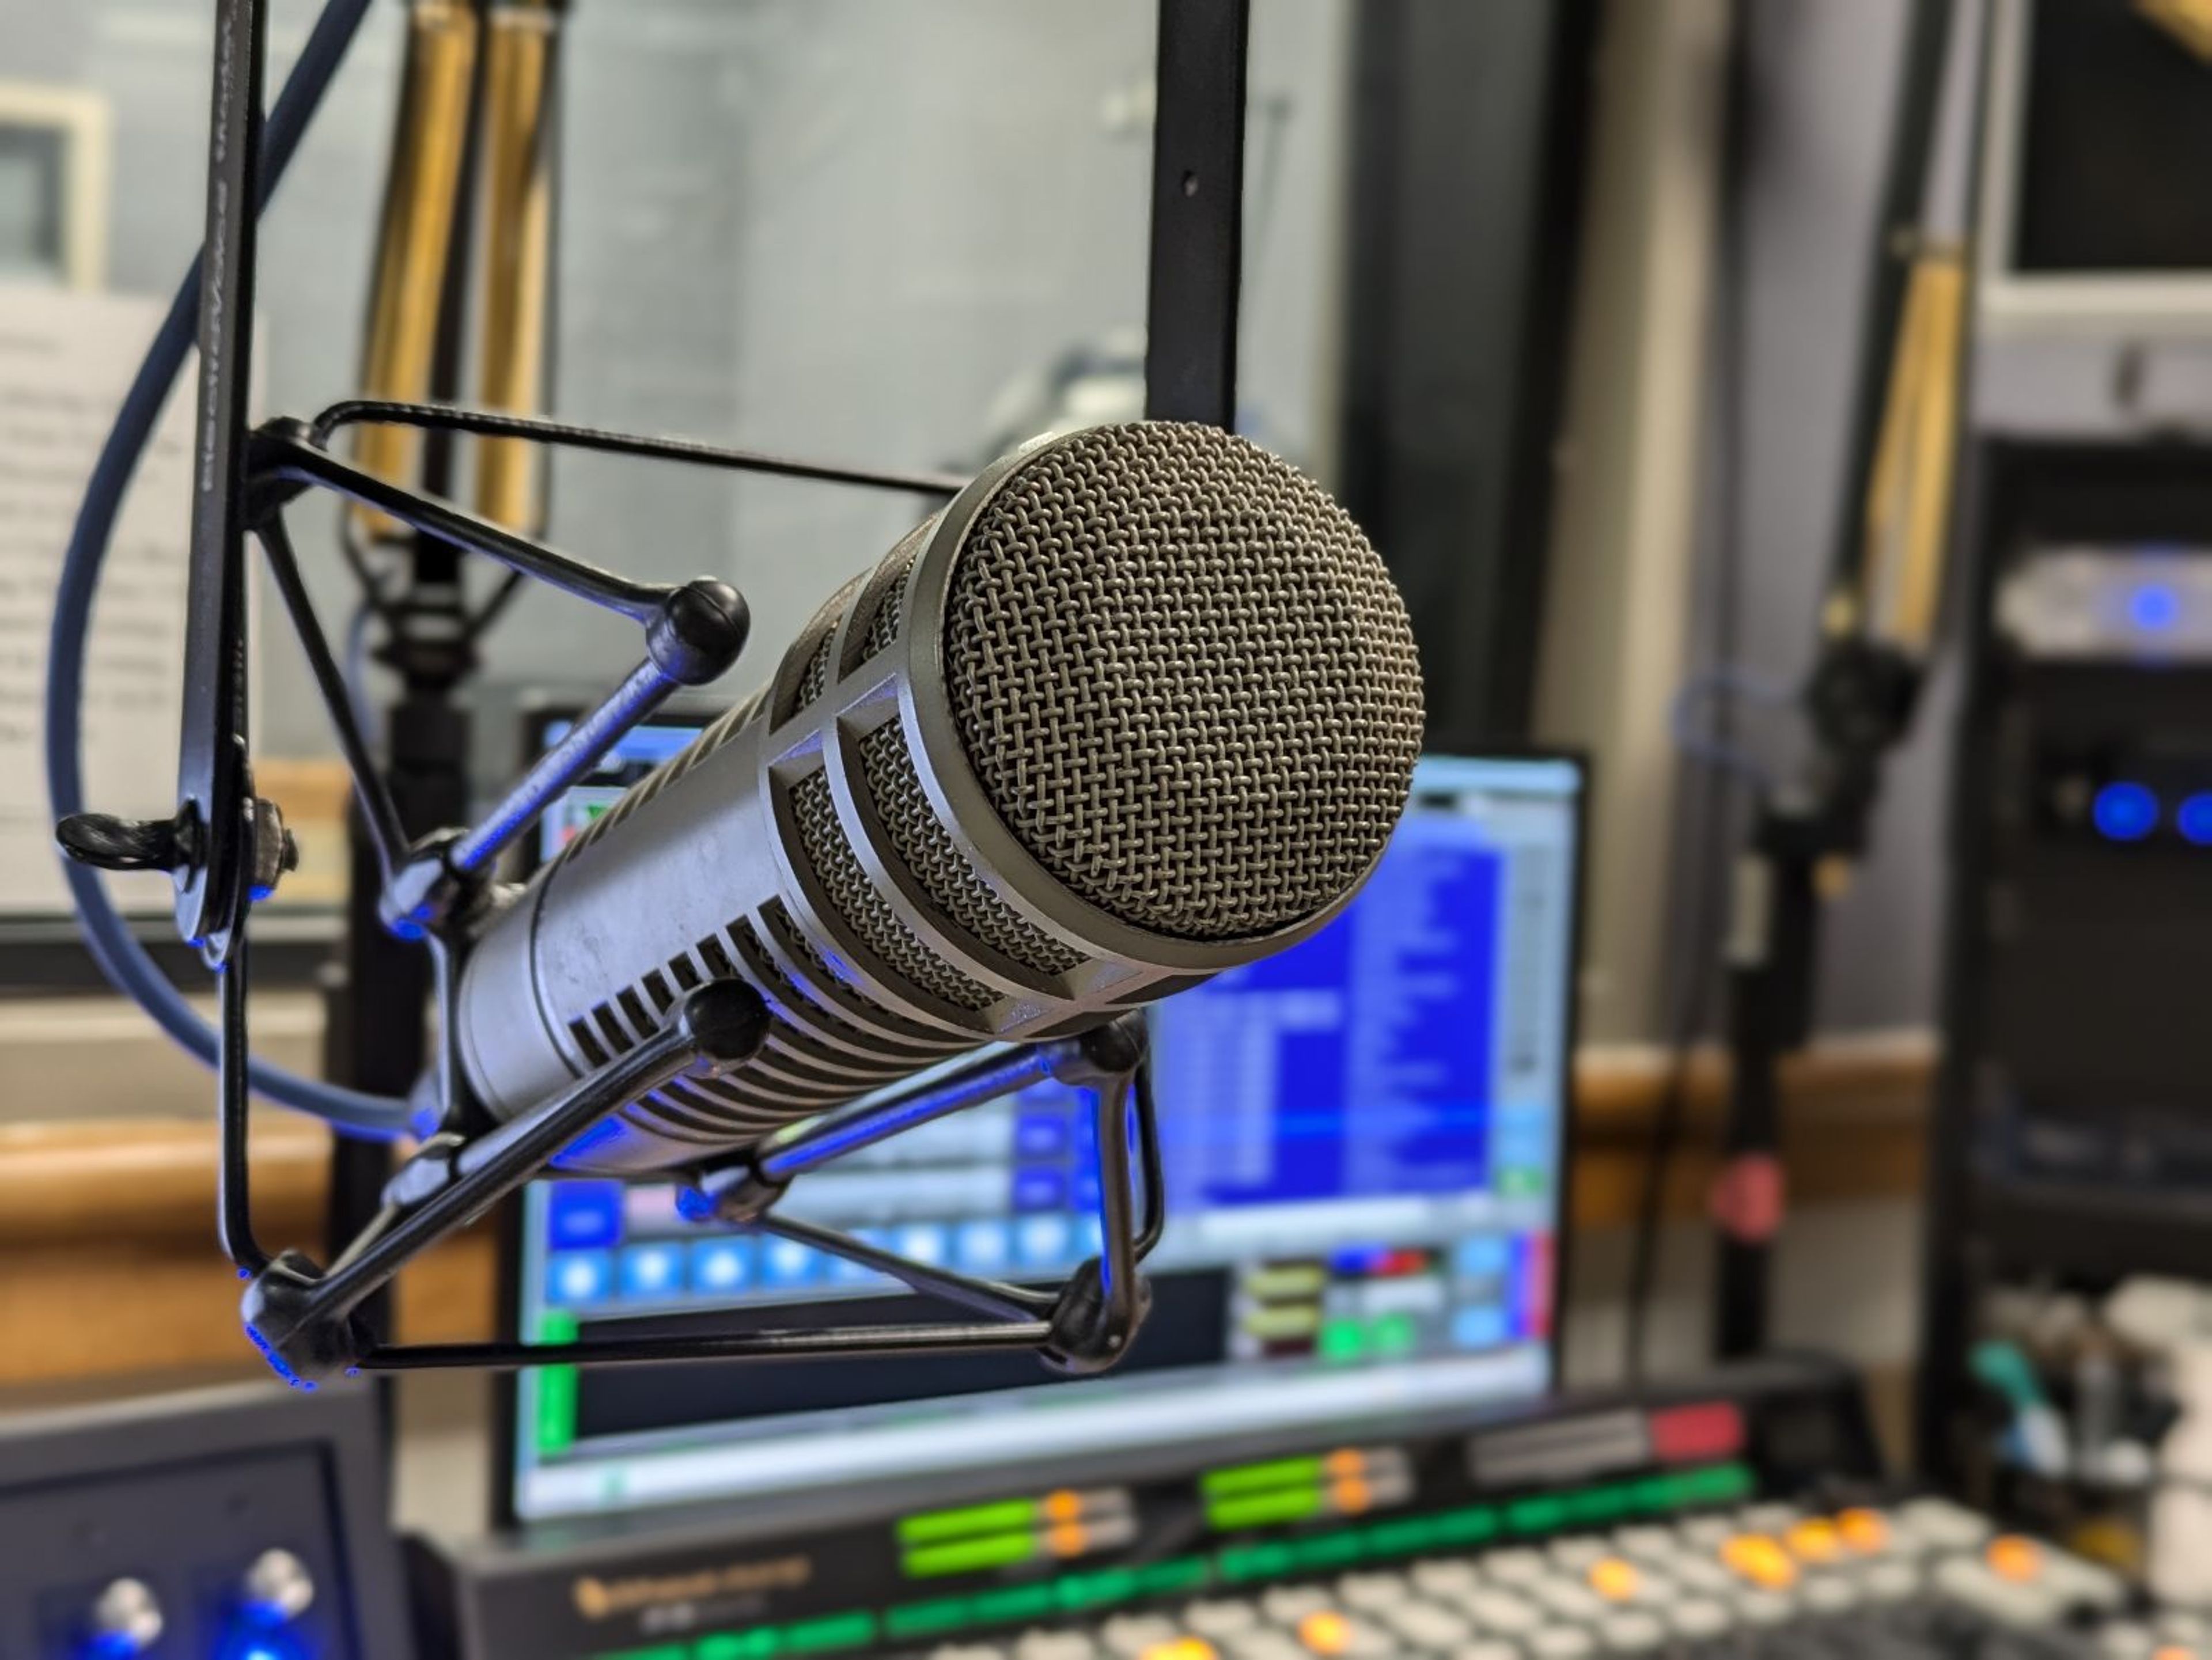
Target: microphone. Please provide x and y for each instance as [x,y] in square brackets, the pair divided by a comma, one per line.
[1140,705]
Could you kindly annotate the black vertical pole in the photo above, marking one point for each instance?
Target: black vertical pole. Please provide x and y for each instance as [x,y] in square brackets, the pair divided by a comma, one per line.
[1772,988]
[1198,212]
[211,770]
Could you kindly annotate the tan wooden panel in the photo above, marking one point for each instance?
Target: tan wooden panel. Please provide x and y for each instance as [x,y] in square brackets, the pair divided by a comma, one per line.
[108,1265]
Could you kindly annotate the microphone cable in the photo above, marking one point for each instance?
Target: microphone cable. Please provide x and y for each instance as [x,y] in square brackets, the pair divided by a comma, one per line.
[126,963]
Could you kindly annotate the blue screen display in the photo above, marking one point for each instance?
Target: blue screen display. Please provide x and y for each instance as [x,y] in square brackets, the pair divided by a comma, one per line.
[1357,1063]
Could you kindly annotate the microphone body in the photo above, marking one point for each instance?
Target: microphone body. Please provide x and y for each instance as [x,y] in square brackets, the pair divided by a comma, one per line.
[1139,706]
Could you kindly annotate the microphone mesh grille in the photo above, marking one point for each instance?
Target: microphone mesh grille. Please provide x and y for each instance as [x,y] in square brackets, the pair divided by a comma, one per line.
[816,678]
[1184,679]
[883,626]
[943,869]
[866,909]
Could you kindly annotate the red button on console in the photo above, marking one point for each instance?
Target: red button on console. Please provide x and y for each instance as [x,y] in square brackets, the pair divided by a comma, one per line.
[1690,1435]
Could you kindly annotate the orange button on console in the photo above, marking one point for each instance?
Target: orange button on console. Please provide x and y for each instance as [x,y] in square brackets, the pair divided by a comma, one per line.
[1615,1580]
[1863,1530]
[1325,1632]
[1760,1559]
[2018,1559]
[1180,1648]
[1063,1505]
[1815,1541]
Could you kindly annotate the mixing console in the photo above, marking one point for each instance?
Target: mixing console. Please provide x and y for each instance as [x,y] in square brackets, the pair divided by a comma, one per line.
[1923,1581]
[1745,1519]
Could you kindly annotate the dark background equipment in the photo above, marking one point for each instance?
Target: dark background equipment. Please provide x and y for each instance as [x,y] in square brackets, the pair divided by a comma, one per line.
[2072,1143]
[2074,1133]
[2113,100]
[234,1524]
[1465,207]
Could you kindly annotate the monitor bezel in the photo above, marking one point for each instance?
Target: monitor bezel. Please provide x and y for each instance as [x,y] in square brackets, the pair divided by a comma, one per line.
[538,720]
[2011,302]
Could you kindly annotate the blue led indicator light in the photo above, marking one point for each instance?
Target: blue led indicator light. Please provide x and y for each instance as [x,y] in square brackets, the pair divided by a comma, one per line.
[2125,812]
[2194,820]
[263,1649]
[2153,608]
[251,1639]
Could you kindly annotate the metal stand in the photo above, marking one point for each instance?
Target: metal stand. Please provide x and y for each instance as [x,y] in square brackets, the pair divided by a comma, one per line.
[227,846]
[1877,624]
[1198,211]
[306,1319]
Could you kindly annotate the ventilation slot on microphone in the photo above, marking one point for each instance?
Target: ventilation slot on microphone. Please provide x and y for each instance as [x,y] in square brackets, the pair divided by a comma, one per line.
[716,956]
[618,1042]
[726,1104]
[678,1106]
[798,1071]
[883,626]
[944,874]
[688,1092]
[830,1044]
[868,913]
[842,1006]
[816,680]
[765,967]
[705,1127]
[587,1045]
[665,1107]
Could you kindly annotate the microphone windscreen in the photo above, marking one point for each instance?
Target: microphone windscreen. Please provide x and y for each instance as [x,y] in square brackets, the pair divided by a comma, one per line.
[1140,705]
[1184,679]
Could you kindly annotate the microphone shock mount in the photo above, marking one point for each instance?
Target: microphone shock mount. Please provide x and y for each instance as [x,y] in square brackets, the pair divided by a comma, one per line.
[226,847]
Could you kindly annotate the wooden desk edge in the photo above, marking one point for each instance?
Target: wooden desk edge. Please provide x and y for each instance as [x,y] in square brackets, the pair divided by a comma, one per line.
[107,1262]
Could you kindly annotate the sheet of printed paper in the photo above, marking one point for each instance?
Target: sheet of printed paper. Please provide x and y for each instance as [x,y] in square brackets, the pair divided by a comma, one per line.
[66,359]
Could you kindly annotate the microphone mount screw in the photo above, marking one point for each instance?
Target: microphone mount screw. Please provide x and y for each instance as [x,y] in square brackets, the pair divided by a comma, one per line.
[272,850]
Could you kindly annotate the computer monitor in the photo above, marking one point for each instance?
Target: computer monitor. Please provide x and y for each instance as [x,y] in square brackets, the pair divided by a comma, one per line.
[2088,225]
[1364,1140]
